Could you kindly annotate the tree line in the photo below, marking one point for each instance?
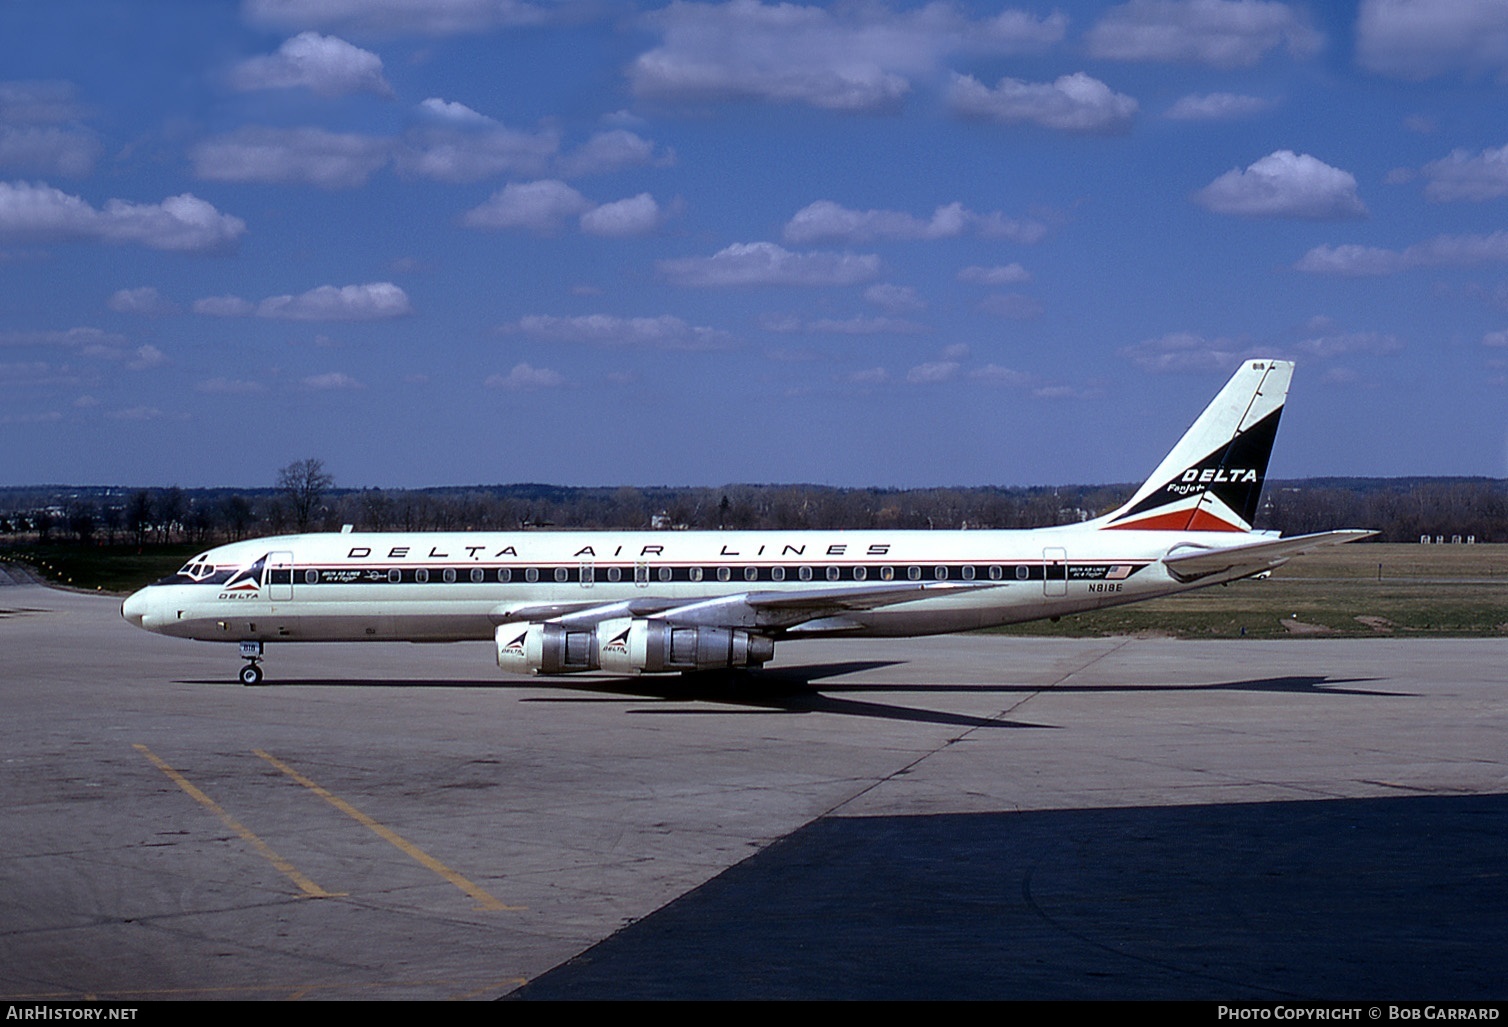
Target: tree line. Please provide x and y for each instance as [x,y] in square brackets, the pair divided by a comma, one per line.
[305,498]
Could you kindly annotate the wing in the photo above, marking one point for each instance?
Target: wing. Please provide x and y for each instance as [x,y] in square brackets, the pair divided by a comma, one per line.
[769,611]
[1188,562]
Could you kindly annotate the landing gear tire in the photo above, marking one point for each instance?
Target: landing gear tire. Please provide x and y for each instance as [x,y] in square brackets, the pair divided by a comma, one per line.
[251,674]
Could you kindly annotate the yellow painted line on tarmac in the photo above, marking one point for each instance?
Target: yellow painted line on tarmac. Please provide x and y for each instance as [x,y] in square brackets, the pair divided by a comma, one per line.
[485,901]
[264,850]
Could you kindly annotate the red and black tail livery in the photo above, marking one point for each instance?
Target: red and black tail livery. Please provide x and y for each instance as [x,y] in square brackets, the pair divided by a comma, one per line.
[1212,480]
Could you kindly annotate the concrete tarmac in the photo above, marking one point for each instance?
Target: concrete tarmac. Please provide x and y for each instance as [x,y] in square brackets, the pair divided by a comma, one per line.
[964,816]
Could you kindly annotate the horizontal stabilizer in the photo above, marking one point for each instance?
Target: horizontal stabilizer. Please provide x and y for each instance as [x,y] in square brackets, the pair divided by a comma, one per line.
[1188,562]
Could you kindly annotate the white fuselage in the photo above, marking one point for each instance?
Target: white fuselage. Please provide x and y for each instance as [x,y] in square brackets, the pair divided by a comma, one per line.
[452,586]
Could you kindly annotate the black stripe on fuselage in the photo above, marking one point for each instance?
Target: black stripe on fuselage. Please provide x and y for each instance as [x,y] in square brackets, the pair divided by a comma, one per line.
[652,574]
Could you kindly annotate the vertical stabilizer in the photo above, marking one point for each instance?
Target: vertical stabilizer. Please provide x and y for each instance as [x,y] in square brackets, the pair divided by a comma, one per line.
[1212,480]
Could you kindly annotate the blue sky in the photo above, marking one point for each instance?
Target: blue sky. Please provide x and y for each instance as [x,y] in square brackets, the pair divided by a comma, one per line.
[461,241]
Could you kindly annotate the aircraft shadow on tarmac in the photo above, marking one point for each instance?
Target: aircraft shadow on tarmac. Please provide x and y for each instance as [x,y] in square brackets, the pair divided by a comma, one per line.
[793,690]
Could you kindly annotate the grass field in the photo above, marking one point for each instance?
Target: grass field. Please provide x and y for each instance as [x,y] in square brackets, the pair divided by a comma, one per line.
[120,568]
[1364,589]
[1357,590]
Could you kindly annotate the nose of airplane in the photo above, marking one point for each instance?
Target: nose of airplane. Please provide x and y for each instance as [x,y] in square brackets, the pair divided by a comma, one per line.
[134,609]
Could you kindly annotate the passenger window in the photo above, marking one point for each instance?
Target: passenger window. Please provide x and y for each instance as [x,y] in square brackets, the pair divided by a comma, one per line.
[833,573]
[860,573]
[696,574]
[614,574]
[968,573]
[995,573]
[724,574]
[751,573]
[887,573]
[531,574]
[449,575]
[664,573]
[777,573]
[561,574]
[421,574]
[805,574]
[1022,573]
[940,572]
[504,574]
[477,574]
[914,573]
[311,577]
[395,575]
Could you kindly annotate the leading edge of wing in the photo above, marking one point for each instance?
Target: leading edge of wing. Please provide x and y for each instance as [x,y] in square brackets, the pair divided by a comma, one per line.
[1186,561]
[770,609]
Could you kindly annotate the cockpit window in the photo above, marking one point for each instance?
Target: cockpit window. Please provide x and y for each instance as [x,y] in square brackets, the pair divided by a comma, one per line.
[198,568]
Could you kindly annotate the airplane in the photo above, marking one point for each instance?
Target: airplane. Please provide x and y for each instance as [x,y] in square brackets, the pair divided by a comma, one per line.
[636,602]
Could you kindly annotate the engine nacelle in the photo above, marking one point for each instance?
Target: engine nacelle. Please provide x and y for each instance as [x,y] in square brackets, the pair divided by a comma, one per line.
[627,646]
[545,648]
[642,646]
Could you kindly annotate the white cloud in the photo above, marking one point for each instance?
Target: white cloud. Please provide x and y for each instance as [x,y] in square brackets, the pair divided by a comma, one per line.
[146,357]
[541,207]
[1217,107]
[1345,343]
[1498,339]
[895,299]
[37,131]
[825,220]
[843,326]
[933,373]
[89,340]
[764,263]
[637,215]
[1221,33]
[1465,176]
[995,374]
[322,64]
[1072,103]
[1007,274]
[1187,351]
[396,17]
[374,301]
[1285,185]
[144,300]
[301,156]
[460,145]
[137,413]
[181,223]
[1442,251]
[224,306]
[48,150]
[665,332]
[1418,39]
[229,387]
[525,378]
[857,59]
[331,382]
[39,102]
[613,150]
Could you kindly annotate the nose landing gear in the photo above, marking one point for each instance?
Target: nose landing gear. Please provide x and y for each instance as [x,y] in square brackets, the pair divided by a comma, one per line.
[251,674]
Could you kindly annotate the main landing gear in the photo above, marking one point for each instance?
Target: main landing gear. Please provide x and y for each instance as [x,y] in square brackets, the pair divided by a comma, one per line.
[251,674]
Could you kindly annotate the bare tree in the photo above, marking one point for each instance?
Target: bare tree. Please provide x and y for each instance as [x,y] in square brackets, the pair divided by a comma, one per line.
[304,484]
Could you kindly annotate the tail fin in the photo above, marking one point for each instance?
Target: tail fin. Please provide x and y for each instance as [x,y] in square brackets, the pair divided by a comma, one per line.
[1212,479]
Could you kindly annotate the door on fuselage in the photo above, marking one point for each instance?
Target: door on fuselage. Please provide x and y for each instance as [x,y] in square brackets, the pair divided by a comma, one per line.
[1054,572]
[280,577]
